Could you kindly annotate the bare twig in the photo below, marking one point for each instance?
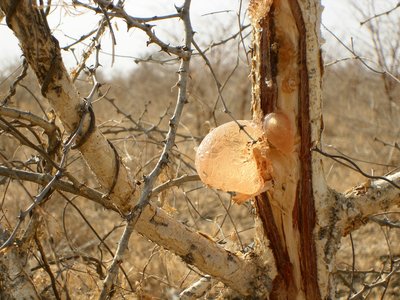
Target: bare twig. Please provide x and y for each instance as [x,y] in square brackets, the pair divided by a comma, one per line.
[45,192]
[81,39]
[353,264]
[174,182]
[352,165]
[387,12]
[35,120]
[85,56]
[362,60]
[65,186]
[47,268]
[382,282]
[358,159]
[163,160]
[385,222]
[7,126]
[140,23]
[219,90]
[13,86]
[101,240]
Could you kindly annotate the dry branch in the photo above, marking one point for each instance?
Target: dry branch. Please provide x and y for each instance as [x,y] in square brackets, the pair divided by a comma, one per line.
[34,120]
[197,290]
[372,197]
[42,52]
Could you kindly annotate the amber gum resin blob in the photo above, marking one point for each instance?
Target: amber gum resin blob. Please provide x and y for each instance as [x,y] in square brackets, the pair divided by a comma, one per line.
[279,131]
[225,159]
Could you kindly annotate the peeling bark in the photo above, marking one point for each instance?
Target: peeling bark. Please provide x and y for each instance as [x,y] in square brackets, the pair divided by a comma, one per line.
[358,204]
[284,74]
[243,273]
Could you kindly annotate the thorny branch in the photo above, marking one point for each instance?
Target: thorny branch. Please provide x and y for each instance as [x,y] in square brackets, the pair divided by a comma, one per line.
[81,189]
[86,54]
[8,127]
[34,120]
[379,282]
[140,23]
[48,189]
[13,86]
[76,138]
[100,239]
[149,180]
[44,179]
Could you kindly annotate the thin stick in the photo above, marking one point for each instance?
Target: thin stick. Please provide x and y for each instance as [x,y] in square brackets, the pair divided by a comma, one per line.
[163,160]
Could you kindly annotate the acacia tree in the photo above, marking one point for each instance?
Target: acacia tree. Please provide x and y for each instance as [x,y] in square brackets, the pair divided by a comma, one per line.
[300,221]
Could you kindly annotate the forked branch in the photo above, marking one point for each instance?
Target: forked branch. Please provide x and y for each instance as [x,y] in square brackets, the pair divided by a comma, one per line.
[42,52]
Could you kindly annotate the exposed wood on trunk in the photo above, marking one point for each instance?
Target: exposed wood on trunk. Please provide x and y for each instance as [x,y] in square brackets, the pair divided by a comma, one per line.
[304,208]
[280,288]
[280,83]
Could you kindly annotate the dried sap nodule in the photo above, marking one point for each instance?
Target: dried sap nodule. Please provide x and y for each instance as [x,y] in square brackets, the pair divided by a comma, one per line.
[279,131]
[225,158]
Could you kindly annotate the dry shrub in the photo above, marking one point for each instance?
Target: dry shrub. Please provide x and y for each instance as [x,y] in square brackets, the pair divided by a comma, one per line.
[133,113]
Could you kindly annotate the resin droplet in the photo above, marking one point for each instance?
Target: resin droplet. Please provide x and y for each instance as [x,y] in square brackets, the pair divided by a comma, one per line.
[279,131]
[228,160]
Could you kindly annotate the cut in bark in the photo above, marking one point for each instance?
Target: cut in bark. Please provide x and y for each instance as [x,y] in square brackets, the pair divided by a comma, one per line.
[286,75]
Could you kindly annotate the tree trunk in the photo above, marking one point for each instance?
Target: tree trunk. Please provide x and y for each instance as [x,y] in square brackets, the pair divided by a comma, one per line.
[286,74]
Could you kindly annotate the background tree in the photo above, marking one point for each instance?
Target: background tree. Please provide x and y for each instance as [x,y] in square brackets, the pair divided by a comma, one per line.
[137,158]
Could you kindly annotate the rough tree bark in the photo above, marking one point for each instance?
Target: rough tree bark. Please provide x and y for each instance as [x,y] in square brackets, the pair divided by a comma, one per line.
[301,221]
[286,76]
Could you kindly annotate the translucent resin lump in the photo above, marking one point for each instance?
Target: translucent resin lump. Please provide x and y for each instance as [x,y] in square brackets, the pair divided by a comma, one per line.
[227,159]
[279,132]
